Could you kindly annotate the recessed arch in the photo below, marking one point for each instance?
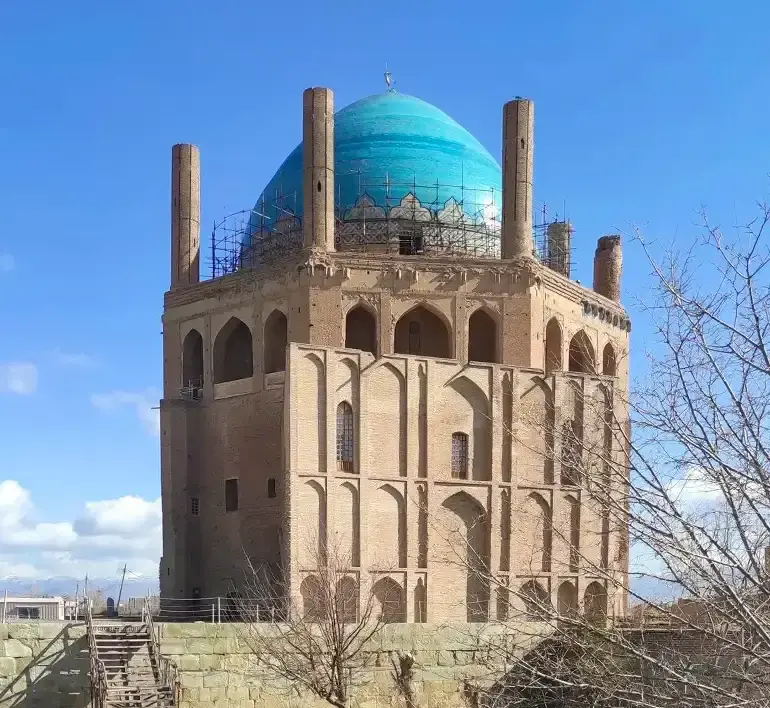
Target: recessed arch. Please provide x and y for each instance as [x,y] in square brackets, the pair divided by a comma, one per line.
[386,385]
[581,354]
[388,529]
[566,600]
[609,361]
[420,601]
[233,354]
[572,436]
[482,337]
[275,340]
[537,604]
[471,415]
[536,432]
[348,518]
[541,535]
[391,599]
[465,554]
[574,532]
[346,599]
[192,360]
[553,346]
[313,501]
[361,329]
[422,331]
[595,603]
[312,599]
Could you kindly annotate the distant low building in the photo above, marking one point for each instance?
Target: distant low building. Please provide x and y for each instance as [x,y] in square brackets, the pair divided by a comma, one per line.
[15,609]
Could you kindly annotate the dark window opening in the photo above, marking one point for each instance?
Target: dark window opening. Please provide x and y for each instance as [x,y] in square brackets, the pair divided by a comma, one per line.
[29,613]
[192,363]
[276,336]
[195,506]
[231,495]
[271,488]
[459,456]
[411,244]
[319,186]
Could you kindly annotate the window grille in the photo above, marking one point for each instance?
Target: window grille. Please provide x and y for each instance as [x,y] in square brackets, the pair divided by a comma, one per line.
[459,456]
[195,506]
[345,437]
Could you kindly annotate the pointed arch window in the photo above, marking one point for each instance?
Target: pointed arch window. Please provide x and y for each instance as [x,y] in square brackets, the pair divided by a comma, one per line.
[345,437]
[459,456]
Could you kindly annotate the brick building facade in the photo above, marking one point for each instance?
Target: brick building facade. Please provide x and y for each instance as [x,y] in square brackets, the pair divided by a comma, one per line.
[402,375]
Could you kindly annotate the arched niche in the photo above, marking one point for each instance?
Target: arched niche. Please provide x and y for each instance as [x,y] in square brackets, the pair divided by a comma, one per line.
[275,339]
[595,603]
[387,529]
[535,441]
[386,385]
[537,604]
[581,354]
[609,362]
[348,524]
[422,332]
[468,414]
[192,360]
[420,601]
[390,599]
[482,337]
[553,346]
[463,551]
[233,354]
[574,532]
[566,600]
[539,534]
[346,599]
[312,500]
[361,330]
[572,436]
[312,599]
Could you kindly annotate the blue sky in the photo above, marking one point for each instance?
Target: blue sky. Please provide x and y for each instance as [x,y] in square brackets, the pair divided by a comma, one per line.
[644,112]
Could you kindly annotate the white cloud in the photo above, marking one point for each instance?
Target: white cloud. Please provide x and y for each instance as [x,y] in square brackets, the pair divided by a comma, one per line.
[18,377]
[144,403]
[104,535]
[73,360]
[7,263]
[694,487]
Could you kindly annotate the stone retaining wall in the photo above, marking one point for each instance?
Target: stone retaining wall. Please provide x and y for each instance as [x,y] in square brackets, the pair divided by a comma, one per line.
[45,665]
[219,669]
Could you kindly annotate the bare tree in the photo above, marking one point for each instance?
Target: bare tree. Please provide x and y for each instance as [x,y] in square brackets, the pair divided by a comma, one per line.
[321,644]
[692,486]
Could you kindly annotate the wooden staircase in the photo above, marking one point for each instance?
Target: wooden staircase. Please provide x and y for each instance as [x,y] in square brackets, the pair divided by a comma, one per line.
[127,669]
[130,670]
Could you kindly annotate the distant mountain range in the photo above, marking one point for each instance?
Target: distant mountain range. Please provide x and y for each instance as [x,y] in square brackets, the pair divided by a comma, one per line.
[65,586]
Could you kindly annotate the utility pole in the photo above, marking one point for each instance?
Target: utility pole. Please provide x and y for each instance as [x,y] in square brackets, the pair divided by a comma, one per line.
[120,592]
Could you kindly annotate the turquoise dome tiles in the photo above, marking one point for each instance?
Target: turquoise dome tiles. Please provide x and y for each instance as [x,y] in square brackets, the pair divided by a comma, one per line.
[389,147]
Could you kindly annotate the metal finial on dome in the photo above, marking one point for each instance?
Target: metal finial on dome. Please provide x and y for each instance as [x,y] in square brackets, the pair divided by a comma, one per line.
[389,80]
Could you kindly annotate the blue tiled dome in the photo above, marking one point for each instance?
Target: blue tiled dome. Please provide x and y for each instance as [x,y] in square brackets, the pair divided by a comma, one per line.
[388,146]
